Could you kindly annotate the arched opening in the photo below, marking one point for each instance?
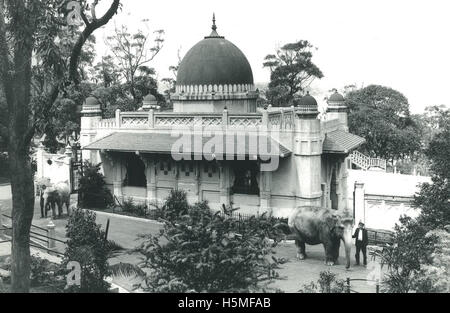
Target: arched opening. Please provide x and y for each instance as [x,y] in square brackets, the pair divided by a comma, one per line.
[135,172]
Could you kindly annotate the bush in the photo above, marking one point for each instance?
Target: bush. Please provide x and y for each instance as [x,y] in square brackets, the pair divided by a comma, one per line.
[140,210]
[202,251]
[88,246]
[93,189]
[327,283]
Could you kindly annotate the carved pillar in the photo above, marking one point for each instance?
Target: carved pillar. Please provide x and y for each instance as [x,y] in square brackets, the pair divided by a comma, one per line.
[118,178]
[224,183]
[150,174]
[265,193]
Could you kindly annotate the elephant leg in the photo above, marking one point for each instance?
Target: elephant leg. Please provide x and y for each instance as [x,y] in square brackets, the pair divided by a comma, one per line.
[301,249]
[335,249]
[42,205]
[54,210]
[60,208]
[329,258]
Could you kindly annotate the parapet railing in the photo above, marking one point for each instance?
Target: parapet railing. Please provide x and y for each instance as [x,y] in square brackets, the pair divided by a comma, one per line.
[283,118]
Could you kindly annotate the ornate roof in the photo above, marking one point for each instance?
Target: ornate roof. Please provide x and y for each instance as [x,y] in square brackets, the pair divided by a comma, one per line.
[214,61]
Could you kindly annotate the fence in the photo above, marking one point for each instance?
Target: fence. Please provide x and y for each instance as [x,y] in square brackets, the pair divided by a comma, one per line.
[40,238]
[380,237]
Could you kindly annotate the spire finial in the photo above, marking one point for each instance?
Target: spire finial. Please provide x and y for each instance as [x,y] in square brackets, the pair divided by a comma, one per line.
[214,27]
[214,33]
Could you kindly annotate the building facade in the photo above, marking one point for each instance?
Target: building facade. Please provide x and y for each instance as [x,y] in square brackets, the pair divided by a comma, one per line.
[218,146]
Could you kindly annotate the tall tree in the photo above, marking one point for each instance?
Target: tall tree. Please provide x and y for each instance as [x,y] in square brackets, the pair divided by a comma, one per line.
[132,51]
[381,115]
[291,71]
[26,27]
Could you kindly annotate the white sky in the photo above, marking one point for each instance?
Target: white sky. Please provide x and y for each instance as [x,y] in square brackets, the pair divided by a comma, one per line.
[397,43]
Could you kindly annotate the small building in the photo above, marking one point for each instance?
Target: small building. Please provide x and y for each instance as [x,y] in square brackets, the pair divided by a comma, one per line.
[218,146]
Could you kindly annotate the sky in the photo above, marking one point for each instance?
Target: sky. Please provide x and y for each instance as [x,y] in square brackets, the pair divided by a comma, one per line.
[401,44]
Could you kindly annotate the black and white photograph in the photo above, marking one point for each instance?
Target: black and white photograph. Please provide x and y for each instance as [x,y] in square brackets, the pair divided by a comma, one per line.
[251,150]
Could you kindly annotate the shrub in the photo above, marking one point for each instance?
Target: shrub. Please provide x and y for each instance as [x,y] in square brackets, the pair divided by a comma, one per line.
[327,283]
[87,245]
[202,251]
[175,205]
[128,206]
[95,193]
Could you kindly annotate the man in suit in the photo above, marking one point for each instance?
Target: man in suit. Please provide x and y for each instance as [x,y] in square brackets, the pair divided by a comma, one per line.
[362,240]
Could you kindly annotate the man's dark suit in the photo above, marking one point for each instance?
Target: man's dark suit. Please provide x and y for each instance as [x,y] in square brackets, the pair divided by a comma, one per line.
[361,245]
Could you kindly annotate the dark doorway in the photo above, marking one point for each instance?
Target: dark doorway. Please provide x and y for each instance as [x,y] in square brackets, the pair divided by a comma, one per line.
[135,176]
[245,177]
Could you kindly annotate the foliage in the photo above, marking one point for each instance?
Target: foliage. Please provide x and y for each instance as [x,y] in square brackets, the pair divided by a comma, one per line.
[88,246]
[438,272]
[411,250]
[175,205]
[93,188]
[43,273]
[327,283]
[381,115]
[292,70]
[132,53]
[128,206]
[203,251]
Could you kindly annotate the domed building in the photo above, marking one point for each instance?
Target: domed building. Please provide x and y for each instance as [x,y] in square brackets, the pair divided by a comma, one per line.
[215,75]
[218,146]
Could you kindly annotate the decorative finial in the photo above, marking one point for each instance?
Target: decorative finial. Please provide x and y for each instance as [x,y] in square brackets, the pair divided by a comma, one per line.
[214,27]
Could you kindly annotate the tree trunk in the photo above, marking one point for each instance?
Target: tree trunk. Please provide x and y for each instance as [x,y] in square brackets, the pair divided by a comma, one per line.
[22,215]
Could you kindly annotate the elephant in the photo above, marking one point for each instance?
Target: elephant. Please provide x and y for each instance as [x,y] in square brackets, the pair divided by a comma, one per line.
[313,226]
[55,195]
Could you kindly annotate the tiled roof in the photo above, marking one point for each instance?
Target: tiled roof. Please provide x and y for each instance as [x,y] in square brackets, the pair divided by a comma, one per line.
[339,141]
[162,143]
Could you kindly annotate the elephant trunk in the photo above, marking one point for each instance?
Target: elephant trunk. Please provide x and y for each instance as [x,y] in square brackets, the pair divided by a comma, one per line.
[347,238]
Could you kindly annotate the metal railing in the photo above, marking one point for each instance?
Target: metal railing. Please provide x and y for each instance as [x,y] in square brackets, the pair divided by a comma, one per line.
[39,238]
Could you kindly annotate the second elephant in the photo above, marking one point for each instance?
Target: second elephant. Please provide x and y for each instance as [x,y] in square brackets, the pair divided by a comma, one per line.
[56,195]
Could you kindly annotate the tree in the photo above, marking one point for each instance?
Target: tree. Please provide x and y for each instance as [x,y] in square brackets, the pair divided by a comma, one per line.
[291,71]
[28,26]
[418,259]
[171,81]
[131,52]
[381,115]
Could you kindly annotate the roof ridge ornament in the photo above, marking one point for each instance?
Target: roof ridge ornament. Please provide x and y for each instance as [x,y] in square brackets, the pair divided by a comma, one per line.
[214,33]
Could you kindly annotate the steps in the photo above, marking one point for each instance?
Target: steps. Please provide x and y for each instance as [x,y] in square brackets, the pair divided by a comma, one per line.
[367,163]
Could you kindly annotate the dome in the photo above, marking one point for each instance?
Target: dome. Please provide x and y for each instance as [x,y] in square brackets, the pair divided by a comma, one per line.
[336,97]
[149,98]
[308,100]
[92,101]
[214,61]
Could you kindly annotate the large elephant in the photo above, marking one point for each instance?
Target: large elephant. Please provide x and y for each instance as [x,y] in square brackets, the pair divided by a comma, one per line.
[55,195]
[313,226]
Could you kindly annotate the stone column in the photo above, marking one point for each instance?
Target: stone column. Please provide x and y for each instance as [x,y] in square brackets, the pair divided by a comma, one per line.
[265,194]
[117,165]
[359,203]
[224,183]
[150,173]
